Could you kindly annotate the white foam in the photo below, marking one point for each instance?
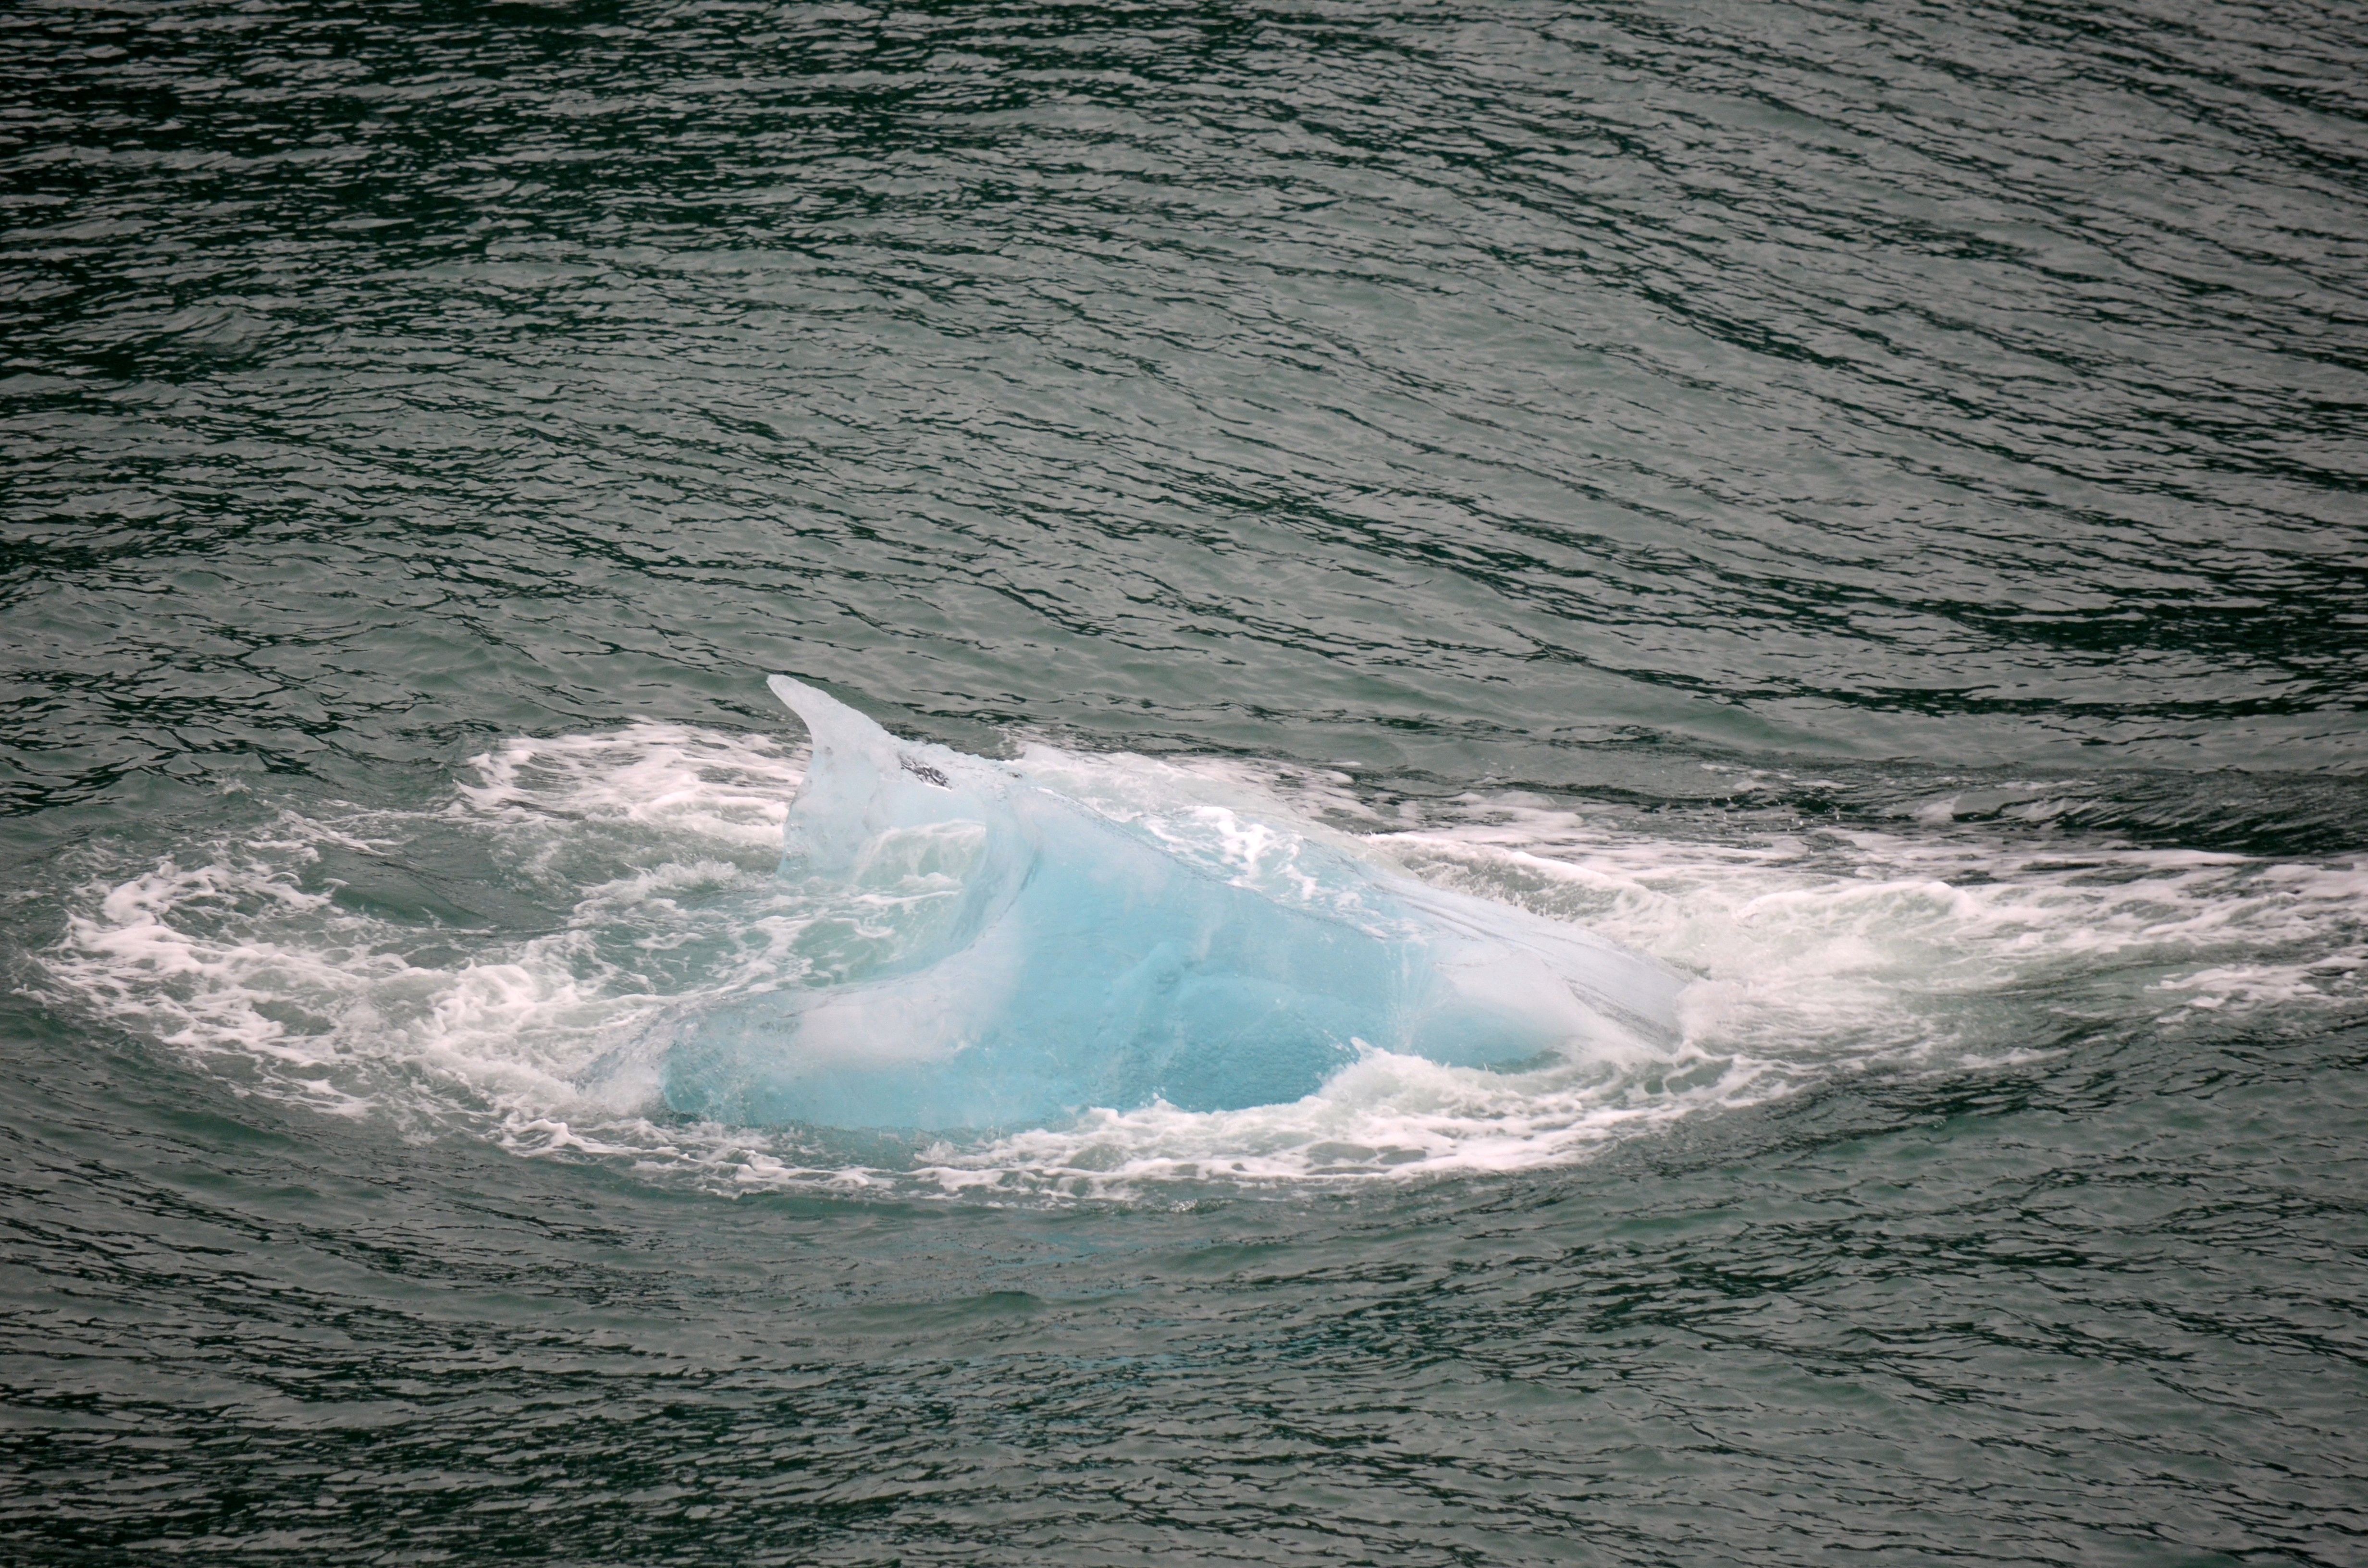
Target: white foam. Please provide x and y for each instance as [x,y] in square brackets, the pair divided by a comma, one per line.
[1940,948]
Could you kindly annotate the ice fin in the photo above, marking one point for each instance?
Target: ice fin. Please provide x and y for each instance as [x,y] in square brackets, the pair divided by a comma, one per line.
[863,781]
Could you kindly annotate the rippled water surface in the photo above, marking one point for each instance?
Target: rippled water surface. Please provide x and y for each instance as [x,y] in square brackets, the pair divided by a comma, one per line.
[1866,505]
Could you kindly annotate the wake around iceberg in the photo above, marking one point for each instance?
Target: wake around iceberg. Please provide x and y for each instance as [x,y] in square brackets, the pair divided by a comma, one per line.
[987,952]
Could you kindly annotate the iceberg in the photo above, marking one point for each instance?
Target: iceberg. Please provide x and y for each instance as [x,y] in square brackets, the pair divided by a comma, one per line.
[981,950]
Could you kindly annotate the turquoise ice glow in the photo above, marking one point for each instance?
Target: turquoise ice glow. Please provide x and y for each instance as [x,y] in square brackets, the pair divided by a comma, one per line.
[988,953]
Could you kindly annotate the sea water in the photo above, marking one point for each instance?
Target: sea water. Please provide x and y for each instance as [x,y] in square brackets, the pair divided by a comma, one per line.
[1650,835]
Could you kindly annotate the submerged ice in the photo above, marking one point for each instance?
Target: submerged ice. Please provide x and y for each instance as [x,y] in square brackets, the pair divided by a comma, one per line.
[982,950]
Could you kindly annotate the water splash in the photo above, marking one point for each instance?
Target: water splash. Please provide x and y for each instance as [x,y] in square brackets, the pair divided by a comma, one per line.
[617,882]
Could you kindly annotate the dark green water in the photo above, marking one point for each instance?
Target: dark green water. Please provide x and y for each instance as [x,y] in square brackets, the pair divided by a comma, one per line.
[1867,503]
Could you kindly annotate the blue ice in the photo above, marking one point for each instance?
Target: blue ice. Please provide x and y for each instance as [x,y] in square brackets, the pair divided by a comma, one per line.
[980,951]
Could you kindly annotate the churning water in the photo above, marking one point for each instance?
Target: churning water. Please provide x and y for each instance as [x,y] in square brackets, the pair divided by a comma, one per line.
[1860,506]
